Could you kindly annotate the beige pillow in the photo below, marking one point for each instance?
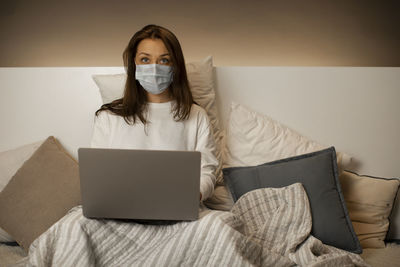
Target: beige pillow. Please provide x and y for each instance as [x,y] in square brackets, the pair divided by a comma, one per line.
[40,193]
[201,80]
[394,219]
[253,139]
[10,162]
[369,201]
[221,199]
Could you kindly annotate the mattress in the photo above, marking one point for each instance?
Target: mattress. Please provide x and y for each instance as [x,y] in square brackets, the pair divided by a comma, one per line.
[388,256]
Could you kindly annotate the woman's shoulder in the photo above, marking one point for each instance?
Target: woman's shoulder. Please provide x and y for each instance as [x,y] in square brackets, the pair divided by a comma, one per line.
[103,113]
[106,116]
[200,114]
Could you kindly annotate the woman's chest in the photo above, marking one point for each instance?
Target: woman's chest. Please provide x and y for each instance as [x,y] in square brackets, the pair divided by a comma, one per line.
[163,134]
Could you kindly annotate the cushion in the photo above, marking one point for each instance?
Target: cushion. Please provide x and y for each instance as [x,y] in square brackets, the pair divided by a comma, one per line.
[10,162]
[111,86]
[40,193]
[382,257]
[220,200]
[394,221]
[201,80]
[369,201]
[317,171]
[253,138]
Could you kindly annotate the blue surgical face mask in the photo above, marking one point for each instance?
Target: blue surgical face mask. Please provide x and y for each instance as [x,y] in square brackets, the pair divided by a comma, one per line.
[154,78]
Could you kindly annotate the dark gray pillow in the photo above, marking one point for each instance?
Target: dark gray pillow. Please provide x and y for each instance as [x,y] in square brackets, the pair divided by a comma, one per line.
[318,173]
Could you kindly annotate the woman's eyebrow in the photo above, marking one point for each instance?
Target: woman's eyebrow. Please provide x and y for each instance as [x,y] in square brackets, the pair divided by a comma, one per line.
[166,54]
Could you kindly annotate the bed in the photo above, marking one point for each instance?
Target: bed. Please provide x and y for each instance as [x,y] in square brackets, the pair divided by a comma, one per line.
[353,109]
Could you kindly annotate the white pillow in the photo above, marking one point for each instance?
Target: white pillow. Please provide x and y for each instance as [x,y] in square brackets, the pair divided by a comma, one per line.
[111,86]
[253,139]
[10,162]
[201,80]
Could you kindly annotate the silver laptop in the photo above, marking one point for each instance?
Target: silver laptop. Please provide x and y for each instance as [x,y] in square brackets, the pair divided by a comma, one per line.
[139,184]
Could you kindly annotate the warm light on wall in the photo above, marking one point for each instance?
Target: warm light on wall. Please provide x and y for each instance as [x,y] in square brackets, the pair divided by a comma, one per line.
[252,33]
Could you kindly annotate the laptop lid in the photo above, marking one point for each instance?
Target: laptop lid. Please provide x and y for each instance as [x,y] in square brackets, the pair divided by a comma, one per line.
[139,184]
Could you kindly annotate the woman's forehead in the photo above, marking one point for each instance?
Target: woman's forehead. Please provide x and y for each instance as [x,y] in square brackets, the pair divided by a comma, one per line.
[153,47]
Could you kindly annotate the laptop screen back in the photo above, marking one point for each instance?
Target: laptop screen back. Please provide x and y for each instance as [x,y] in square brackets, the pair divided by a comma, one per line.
[139,184]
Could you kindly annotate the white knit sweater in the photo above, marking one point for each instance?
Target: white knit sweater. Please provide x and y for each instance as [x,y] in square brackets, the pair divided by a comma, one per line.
[162,133]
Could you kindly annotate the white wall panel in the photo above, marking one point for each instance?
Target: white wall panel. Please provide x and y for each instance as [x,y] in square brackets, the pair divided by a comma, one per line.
[355,109]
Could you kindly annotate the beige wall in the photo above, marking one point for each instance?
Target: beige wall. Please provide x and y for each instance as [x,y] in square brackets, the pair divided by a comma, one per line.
[240,33]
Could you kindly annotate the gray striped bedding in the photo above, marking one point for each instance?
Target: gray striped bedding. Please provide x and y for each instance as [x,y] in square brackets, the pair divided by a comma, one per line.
[266,227]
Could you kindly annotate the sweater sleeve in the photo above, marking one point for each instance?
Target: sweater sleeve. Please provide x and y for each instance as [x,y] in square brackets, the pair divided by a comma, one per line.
[101,131]
[206,145]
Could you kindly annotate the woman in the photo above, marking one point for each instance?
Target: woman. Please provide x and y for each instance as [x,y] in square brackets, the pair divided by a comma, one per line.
[157,110]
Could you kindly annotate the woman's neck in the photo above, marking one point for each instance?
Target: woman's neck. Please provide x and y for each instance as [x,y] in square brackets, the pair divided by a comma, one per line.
[160,98]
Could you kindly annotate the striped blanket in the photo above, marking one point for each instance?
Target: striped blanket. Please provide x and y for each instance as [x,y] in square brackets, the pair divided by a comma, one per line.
[266,227]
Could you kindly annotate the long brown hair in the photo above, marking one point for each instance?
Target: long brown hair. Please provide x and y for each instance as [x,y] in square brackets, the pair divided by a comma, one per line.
[133,104]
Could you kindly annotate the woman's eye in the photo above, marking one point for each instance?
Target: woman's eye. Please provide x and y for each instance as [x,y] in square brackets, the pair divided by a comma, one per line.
[144,59]
[164,60]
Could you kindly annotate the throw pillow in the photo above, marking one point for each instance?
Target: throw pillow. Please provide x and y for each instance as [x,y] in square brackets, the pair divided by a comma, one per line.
[369,201]
[318,173]
[394,221]
[221,199]
[10,162]
[40,193]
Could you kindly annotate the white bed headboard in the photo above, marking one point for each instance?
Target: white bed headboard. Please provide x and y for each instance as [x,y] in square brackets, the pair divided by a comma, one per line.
[356,109]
